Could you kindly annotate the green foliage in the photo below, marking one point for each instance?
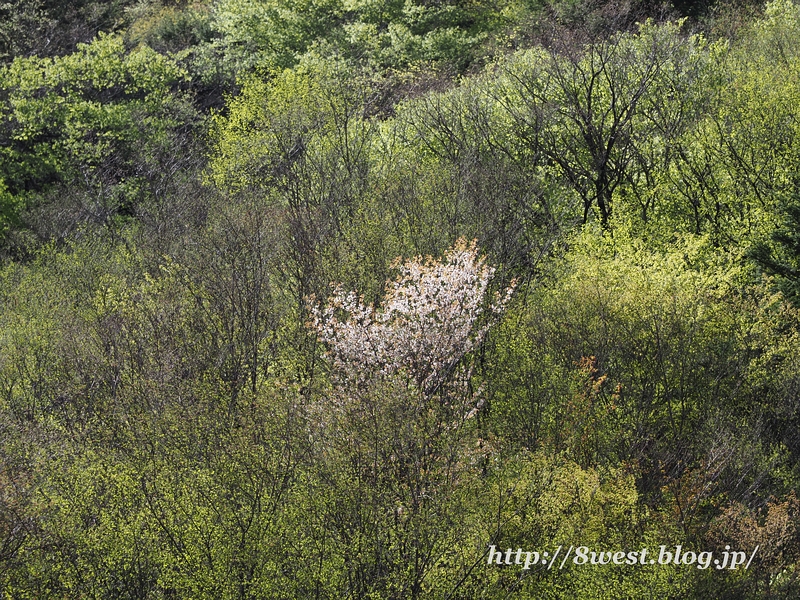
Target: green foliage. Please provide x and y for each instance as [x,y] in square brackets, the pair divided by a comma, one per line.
[599,117]
[737,164]
[303,142]
[782,262]
[169,28]
[273,35]
[171,425]
[54,27]
[542,502]
[97,119]
[270,125]
[634,351]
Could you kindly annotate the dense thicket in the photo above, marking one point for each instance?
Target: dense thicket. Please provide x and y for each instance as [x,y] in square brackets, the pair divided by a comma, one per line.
[323,299]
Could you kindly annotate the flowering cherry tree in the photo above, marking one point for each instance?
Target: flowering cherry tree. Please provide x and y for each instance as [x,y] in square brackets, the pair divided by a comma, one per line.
[397,424]
[431,317]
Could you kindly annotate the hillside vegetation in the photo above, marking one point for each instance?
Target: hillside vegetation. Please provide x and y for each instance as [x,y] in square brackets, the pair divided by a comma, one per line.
[327,298]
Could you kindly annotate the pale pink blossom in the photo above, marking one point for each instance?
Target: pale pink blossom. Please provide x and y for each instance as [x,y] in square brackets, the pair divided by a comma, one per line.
[431,317]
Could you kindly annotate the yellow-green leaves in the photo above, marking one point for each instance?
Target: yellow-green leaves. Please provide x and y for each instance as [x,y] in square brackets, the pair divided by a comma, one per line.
[98,108]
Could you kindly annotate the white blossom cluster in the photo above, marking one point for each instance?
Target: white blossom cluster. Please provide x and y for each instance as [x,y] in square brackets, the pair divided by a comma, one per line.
[428,321]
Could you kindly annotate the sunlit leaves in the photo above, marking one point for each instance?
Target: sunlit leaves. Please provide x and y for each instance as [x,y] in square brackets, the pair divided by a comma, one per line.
[96,115]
